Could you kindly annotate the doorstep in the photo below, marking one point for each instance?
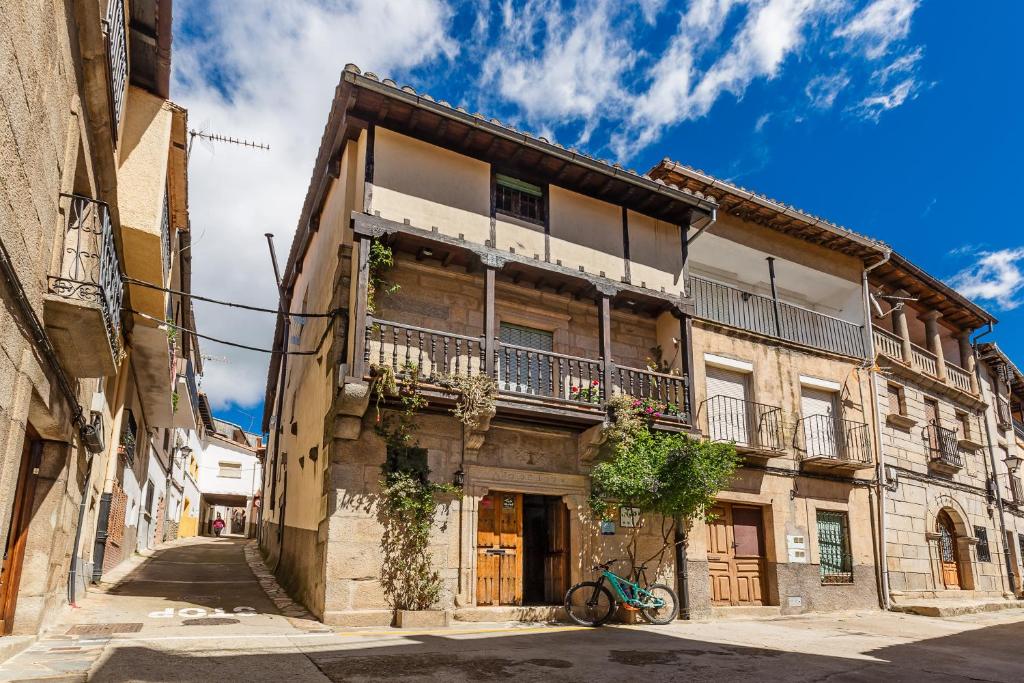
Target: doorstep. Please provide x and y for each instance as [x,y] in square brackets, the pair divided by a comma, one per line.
[746,612]
[951,607]
[526,613]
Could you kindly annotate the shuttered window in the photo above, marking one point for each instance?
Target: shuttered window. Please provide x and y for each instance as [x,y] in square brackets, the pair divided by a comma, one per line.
[525,372]
[834,547]
[229,470]
[728,417]
[896,404]
[818,412]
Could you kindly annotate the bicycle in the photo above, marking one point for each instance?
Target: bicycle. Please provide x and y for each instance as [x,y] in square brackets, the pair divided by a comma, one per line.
[591,604]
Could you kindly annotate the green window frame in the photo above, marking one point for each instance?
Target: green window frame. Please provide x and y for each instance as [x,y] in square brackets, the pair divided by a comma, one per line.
[518,198]
[835,559]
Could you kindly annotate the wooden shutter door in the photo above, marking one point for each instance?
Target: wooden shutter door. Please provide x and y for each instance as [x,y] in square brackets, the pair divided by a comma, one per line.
[727,409]
[720,565]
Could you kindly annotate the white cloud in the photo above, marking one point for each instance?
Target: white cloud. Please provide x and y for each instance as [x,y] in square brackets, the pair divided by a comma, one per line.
[762,121]
[874,106]
[678,91]
[878,25]
[557,65]
[823,90]
[905,64]
[269,73]
[997,276]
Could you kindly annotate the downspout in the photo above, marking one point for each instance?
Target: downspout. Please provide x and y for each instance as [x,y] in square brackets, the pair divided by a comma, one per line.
[869,346]
[992,462]
[76,553]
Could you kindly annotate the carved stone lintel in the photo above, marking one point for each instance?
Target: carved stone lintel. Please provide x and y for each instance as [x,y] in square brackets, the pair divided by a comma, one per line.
[591,440]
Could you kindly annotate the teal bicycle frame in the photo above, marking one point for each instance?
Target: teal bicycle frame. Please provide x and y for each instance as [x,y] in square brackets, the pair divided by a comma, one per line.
[640,598]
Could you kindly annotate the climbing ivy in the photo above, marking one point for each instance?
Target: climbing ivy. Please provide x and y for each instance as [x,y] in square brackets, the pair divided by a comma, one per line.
[380,261]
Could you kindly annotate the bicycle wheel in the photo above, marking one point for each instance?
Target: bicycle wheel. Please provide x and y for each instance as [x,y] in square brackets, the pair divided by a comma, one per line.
[589,604]
[666,613]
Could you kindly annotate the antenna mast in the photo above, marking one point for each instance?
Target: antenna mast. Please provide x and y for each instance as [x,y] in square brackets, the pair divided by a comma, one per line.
[215,137]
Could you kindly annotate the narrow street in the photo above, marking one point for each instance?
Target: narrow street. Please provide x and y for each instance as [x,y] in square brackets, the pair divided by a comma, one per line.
[196,611]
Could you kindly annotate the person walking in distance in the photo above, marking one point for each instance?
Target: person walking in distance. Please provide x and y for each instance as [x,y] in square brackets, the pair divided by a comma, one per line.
[218,525]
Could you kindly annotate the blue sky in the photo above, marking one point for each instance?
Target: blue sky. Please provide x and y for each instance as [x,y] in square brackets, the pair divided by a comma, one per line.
[896,118]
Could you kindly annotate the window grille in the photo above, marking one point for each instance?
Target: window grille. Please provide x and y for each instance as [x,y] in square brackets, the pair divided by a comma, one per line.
[834,547]
[517,198]
[984,554]
[1020,542]
[129,436]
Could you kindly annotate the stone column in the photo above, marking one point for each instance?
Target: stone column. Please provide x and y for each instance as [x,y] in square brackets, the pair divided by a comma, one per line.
[967,359]
[931,333]
[899,326]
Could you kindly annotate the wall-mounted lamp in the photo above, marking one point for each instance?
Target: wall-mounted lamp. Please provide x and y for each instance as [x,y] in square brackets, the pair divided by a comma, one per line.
[1012,462]
[460,478]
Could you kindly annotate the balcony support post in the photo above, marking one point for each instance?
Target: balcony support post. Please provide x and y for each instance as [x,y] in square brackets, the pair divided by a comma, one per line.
[968,360]
[775,296]
[931,331]
[899,326]
[604,311]
[362,285]
[686,357]
[489,320]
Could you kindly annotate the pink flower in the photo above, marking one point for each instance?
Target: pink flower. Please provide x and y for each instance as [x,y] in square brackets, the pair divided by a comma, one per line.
[649,410]
[636,404]
[657,415]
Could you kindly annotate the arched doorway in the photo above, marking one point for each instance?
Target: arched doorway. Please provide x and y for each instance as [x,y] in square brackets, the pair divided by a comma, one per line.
[948,551]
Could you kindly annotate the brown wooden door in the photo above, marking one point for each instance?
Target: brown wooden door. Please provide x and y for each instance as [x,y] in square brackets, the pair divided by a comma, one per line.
[499,546]
[17,535]
[556,559]
[948,552]
[736,555]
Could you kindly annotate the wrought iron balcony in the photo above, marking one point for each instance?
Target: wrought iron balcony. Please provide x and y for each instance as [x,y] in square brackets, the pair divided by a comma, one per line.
[129,436]
[1018,428]
[751,426]
[943,447]
[747,311]
[87,278]
[1016,490]
[532,375]
[117,58]
[833,442]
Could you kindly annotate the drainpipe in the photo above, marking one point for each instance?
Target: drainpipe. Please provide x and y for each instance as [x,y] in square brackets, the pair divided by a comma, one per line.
[683,582]
[992,463]
[869,346]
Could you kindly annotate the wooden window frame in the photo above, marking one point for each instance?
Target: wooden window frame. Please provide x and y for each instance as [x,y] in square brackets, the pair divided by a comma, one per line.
[544,197]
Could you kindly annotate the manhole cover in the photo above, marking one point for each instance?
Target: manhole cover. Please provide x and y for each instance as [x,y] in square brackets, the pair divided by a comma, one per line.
[103,629]
[210,621]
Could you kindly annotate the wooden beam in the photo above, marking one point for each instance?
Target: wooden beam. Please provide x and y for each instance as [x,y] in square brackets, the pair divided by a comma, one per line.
[605,323]
[361,351]
[489,320]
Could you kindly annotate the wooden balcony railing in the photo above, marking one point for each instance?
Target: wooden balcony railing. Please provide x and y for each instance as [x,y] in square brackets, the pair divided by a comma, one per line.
[959,377]
[519,370]
[924,360]
[829,438]
[748,311]
[752,425]
[942,445]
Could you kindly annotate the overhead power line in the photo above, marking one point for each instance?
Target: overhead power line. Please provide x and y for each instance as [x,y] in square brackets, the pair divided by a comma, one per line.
[259,309]
[217,340]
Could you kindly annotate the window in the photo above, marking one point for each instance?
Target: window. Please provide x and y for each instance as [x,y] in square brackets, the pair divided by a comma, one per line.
[521,369]
[517,198]
[984,554]
[965,425]
[834,547]
[897,400]
[1020,542]
[230,470]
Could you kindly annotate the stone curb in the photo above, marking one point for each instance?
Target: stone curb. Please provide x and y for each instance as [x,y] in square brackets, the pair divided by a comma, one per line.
[296,614]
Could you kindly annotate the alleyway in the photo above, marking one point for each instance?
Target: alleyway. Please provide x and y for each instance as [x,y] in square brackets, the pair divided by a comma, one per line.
[195,611]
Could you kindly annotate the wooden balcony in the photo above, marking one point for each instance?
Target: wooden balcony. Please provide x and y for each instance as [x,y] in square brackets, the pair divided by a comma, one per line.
[530,381]
[922,361]
[765,316]
[829,442]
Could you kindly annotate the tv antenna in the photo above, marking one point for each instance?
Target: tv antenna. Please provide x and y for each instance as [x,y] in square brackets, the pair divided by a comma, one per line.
[208,137]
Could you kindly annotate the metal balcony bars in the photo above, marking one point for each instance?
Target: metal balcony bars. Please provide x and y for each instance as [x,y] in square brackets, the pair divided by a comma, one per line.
[832,438]
[117,59]
[89,267]
[942,445]
[746,423]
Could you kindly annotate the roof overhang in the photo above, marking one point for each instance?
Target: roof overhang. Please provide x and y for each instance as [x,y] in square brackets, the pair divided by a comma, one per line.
[770,213]
[993,355]
[150,43]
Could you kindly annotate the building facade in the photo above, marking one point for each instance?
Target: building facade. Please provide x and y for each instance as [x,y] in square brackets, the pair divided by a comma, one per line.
[567,280]
[230,475]
[93,192]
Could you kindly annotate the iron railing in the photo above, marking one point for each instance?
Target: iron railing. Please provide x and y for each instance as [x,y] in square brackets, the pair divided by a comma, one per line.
[437,355]
[89,267]
[117,58]
[836,561]
[129,436]
[1018,427]
[832,438]
[190,382]
[745,423]
[745,310]
[1016,489]
[942,445]
[165,237]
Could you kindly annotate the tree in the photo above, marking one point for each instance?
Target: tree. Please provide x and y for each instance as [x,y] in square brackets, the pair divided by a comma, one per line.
[663,473]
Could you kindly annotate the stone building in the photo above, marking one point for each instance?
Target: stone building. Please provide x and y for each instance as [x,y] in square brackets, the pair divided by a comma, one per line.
[92,190]
[944,523]
[567,279]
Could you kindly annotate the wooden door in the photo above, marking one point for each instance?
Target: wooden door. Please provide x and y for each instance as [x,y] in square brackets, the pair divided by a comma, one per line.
[17,535]
[736,555]
[948,552]
[499,546]
[556,557]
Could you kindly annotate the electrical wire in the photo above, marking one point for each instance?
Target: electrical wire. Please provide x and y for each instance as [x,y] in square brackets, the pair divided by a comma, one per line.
[259,309]
[186,330]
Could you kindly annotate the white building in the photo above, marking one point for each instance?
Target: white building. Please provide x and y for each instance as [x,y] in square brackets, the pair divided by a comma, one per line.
[230,476]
